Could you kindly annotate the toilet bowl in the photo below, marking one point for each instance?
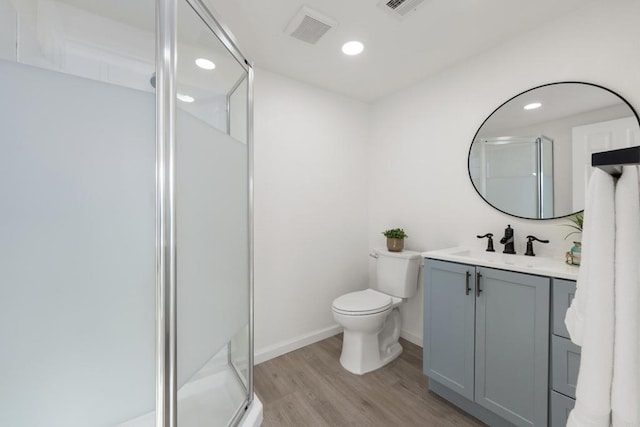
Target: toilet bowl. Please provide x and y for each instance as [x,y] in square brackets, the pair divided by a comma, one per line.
[371,322]
[371,318]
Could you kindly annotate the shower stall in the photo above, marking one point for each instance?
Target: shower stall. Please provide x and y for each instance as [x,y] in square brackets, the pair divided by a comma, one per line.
[126,238]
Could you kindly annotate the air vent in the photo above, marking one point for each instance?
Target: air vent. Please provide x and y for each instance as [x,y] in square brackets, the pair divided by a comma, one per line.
[309,25]
[400,8]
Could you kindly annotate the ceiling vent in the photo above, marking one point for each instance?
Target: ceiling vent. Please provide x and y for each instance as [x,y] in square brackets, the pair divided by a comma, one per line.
[309,25]
[399,8]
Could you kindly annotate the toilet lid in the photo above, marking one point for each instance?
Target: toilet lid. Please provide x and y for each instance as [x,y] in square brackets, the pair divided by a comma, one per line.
[362,302]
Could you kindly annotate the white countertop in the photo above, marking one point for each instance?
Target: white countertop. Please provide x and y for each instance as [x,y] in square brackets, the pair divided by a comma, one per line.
[541,266]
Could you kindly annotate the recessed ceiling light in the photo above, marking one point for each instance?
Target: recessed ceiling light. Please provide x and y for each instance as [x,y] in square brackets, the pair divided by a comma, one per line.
[352,48]
[185,98]
[532,106]
[206,64]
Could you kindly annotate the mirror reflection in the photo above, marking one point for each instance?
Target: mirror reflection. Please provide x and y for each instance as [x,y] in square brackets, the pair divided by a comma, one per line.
[531,157]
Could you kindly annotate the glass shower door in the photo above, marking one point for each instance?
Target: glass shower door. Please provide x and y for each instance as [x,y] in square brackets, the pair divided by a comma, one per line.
[212,207]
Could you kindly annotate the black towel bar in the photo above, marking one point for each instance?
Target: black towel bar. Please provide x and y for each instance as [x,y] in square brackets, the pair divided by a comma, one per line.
[612,161]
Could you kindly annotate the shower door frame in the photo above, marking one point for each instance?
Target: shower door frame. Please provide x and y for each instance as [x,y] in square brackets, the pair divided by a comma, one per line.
[166,249]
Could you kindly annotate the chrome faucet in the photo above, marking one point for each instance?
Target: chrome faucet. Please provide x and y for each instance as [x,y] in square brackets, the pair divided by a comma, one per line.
[507,241]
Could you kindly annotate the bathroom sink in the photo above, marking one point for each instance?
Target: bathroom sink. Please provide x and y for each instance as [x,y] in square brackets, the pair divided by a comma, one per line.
[538,265]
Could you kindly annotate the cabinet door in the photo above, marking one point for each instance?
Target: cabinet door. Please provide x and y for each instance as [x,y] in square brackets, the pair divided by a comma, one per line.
[561,406]
[449,311]
[512,345]
[563,293]
[565,362]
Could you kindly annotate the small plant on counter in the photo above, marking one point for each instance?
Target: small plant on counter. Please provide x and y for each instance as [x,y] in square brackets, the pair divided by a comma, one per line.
[396,233]
[576,223]
[395,239]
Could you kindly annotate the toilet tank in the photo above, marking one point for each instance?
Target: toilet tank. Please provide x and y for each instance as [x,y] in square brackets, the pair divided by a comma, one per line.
[397,272]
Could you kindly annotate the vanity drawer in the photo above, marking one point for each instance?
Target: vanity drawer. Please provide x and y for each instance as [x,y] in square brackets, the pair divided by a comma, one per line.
[561,406]
[563,293]
[565,362]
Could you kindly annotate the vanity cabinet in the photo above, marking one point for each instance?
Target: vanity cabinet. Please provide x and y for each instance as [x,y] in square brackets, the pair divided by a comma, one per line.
[487,341]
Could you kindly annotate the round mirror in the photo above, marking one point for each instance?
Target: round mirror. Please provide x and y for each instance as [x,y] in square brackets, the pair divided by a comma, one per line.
[531,158]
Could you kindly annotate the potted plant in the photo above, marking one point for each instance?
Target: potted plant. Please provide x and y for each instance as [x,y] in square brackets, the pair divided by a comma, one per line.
[574,255]
[395,239]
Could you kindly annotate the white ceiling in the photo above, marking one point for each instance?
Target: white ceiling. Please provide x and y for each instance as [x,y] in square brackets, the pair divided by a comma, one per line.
[398,53]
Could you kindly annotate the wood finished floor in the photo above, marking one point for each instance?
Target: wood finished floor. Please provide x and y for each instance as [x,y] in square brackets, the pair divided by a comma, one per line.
[309,387]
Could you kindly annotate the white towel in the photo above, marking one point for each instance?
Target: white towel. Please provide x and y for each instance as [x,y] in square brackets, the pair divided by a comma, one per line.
[590,319]
[625,396]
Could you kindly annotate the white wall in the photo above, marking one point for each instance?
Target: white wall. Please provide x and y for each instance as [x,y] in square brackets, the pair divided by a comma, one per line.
[310,209]
[420,137]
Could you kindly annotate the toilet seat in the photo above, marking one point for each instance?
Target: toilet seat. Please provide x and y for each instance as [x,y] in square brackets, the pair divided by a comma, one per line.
[362,303]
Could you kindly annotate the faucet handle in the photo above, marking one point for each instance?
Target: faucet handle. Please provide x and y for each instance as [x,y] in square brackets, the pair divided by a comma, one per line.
[489,243]
[530,240]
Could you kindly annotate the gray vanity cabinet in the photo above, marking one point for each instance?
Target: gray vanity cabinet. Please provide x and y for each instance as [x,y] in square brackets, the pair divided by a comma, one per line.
[487,340]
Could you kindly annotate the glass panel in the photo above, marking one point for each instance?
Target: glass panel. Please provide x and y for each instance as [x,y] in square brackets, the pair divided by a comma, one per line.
[212,228]
[239,354]
[8,30]
[77,180]
[238,111]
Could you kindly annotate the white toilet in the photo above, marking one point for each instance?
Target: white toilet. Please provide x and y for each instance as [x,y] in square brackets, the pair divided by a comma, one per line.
[371,318]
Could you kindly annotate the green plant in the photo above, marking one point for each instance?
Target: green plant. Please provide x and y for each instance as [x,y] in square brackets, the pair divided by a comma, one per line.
[396,233]
[576,223]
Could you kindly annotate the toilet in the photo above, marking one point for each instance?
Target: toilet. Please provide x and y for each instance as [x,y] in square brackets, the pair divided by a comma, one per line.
[371,318]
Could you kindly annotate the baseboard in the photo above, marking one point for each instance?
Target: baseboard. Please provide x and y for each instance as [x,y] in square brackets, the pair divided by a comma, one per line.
[284,347]
[412,338]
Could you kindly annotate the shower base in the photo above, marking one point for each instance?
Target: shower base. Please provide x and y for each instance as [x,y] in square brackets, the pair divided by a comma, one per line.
[211,397]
